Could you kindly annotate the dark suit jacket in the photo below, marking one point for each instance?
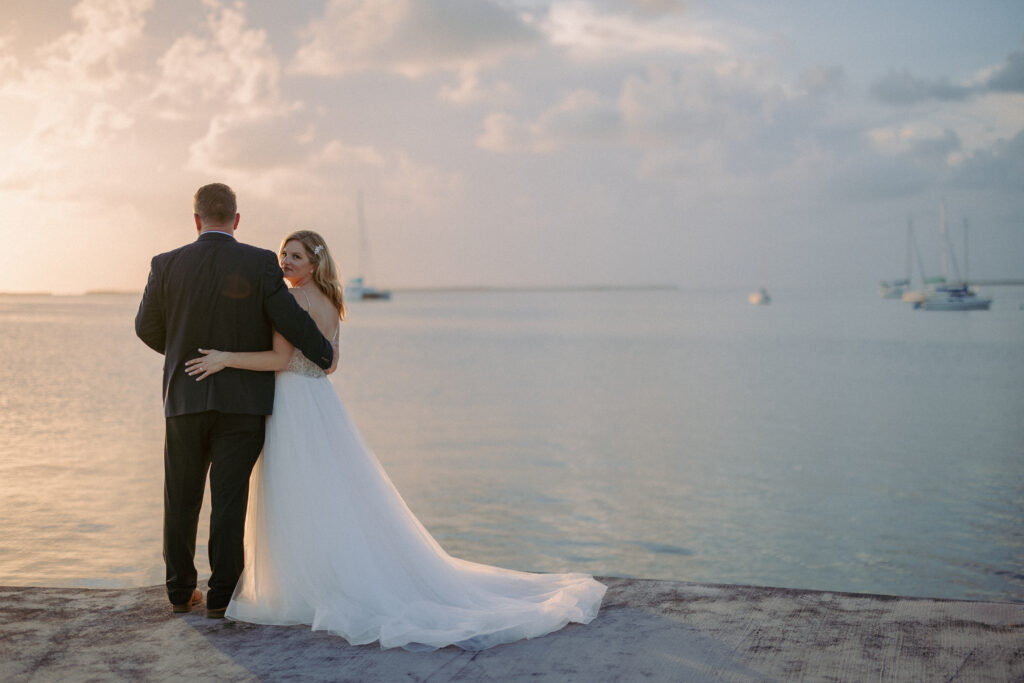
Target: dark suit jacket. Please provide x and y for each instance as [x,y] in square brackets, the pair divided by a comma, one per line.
[217,293]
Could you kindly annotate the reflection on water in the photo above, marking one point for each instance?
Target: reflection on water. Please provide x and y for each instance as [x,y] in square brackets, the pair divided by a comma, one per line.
[848,445]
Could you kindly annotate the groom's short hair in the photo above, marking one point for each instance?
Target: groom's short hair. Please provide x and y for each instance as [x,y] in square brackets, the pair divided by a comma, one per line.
[215,204]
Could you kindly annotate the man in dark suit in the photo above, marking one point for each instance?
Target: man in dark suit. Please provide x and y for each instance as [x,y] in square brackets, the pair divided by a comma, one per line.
[215,293]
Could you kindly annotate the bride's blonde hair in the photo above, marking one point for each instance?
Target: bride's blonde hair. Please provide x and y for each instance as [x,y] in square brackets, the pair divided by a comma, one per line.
[325,273]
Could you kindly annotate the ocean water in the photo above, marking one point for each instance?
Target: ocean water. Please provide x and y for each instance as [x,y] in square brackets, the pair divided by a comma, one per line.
[831,440]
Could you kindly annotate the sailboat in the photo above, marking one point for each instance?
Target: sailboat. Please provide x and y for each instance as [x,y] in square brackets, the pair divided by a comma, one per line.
[357,287]
[928,284]
[957,295]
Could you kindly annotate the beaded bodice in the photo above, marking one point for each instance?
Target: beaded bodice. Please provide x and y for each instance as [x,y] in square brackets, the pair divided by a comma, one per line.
[301,365]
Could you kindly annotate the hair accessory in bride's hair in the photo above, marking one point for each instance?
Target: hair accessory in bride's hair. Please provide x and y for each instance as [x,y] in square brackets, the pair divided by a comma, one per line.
[318,249]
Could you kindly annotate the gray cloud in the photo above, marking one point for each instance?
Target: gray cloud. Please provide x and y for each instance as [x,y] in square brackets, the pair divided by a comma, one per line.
[1010,76]
[936,148]
[902,88]
[998,168]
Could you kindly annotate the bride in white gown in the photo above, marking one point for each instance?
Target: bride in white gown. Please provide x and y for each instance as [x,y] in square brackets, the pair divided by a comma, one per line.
[329,540]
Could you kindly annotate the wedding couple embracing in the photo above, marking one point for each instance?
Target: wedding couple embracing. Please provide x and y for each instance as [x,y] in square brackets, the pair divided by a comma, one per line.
[249,338]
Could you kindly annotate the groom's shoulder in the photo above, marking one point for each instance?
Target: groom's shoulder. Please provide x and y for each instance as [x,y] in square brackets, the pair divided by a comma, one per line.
[260,251]
[226,246]
[255,254]
[166,256]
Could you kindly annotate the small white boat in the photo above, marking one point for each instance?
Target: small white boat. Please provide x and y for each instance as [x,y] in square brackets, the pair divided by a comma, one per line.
[356,289]
[894,290]
[760,297]
[954,298]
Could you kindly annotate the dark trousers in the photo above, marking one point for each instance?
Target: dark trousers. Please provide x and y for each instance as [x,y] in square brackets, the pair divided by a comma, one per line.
[227,445]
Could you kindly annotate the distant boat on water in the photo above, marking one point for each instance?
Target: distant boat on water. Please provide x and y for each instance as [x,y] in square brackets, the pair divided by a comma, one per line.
[356,288]
[894,289]
[959,297]
[760,298]
[940,294]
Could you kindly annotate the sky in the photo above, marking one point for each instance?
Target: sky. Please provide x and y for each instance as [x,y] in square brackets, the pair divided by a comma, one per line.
[522,143]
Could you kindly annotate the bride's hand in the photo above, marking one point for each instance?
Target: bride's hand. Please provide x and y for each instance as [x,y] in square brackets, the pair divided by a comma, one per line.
[212,362]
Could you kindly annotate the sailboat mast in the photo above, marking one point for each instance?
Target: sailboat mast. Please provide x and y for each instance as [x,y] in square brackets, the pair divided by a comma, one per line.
[967,277]
[360,226]
[910,242]
[364,242]
[920,261]
[945,240]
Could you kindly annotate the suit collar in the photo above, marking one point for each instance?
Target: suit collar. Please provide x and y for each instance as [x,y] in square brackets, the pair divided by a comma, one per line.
[217,236]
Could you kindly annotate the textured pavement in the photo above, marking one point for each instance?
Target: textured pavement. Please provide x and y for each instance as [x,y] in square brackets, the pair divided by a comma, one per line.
[647,630]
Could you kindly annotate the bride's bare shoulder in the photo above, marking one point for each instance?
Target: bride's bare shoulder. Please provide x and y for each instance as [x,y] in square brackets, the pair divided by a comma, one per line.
[300,296]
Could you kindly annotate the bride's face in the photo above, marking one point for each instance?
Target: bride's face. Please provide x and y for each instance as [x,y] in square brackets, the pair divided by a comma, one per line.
[295,263]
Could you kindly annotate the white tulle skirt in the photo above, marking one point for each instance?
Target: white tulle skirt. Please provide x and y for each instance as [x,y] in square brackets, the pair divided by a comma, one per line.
[330,543]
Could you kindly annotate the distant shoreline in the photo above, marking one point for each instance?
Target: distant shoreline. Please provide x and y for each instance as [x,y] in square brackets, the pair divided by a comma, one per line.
[539,288]
[412,290]
[469,289]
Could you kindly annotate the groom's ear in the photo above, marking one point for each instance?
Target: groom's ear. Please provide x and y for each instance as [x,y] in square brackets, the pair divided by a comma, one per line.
[238,217]
[199,223]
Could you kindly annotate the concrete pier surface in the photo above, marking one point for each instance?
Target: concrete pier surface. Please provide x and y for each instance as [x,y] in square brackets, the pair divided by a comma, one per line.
[647,630]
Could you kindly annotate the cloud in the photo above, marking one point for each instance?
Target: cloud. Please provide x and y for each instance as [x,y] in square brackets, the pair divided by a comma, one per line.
[409,37]
[587,33]
[715,102]
[936,147]
[1000,167]
[502,133]
[821,80]
[1010,76]
[582,116]
[234,142]
[901,88]
[91,57]
[470,90]
[230,66]
[8,61]
[75,93]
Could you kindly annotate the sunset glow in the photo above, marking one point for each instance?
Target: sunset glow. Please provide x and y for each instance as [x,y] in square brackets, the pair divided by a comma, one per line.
[514,142]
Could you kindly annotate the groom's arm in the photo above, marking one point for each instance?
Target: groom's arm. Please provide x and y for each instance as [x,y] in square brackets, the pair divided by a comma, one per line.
[149,321]
[291,321]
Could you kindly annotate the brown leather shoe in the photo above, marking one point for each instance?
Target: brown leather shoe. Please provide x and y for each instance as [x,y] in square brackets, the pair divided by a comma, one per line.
[215,612]
[197,598]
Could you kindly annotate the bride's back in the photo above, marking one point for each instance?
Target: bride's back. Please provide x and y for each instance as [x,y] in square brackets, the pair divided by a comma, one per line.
[320,308]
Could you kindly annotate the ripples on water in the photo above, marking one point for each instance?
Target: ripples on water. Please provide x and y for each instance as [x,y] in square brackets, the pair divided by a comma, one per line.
[849,444]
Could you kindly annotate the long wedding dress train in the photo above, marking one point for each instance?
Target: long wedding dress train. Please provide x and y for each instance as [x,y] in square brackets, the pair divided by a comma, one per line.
[331,543]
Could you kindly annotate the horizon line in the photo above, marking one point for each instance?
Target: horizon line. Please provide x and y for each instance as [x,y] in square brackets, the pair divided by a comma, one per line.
[441,288]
